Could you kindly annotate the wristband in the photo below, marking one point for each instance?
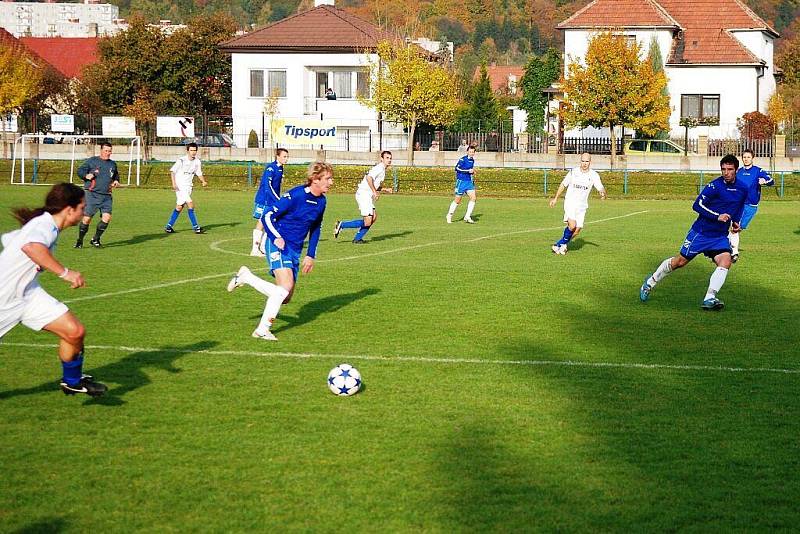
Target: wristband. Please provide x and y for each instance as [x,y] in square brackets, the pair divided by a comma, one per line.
[64,274]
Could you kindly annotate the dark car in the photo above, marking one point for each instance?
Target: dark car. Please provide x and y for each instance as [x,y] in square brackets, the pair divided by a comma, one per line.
[212,140]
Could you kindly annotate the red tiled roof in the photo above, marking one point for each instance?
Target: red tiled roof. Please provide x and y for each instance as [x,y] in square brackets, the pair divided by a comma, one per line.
[68,55]
[702,27]
[322,28]
[619,14]
[498,76]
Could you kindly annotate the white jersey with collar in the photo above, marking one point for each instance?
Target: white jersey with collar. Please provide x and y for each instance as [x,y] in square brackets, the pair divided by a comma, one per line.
[18,272]
[185,170]
[579,184]
[378,173]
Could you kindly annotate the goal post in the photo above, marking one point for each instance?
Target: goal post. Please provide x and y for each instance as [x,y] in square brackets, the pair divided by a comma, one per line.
[134,145]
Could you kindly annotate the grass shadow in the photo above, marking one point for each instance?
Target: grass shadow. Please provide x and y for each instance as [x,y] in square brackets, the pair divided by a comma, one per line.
[312,310]
[386,237]
[579,243]
[49,526]
[144,238]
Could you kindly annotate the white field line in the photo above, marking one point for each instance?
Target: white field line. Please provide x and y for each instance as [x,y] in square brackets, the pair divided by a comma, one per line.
[215,246]
[424,360]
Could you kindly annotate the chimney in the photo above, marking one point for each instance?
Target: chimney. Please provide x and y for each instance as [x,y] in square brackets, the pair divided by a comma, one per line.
[318,3]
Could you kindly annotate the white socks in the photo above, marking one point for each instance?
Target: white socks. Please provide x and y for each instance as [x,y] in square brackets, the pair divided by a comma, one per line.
[715,284]
[733,237]
[453,207]
[470,207]
[258,238]
[275,296]
[663,270]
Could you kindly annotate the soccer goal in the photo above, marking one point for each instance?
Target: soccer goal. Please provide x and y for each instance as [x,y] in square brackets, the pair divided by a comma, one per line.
[21,143]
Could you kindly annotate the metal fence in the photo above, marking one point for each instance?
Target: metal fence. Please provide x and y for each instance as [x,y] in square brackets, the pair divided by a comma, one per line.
[764,148]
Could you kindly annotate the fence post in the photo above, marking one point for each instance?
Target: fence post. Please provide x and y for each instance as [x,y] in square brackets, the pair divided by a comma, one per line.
[35,177]
[249,174]
[781,189]
[700,187]
[395,181]
[545,182]
[625,182]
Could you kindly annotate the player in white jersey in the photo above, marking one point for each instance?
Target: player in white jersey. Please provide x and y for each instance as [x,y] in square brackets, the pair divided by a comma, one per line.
[26,253]
[368,192]
[183,172]
[578,183]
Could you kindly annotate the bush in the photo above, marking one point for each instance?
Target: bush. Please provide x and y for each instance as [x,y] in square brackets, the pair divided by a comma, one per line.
[252,139]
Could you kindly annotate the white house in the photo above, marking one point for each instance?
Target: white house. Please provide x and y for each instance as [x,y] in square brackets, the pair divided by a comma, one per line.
[718,54]
[297,60]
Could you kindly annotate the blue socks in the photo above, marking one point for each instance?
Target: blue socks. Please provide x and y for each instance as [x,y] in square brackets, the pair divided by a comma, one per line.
[361,233]
[567,236]
[173,218]
[192,218]
[72,370]
[355,223]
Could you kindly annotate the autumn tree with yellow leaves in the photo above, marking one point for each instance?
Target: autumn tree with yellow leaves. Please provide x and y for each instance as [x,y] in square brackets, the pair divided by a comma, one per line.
[19,82]
[615,86]
[408,88]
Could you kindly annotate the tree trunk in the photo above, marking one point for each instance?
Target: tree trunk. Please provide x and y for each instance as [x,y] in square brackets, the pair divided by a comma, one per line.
[411,129]
[613,145]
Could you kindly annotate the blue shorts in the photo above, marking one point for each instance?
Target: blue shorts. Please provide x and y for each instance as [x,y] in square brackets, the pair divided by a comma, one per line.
[258,210]
[696,243]
[747,215]
[462,186]
[97,202]
[282,259]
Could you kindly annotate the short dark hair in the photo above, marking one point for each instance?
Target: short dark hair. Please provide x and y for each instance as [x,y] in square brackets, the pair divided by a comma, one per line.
[748,151]
[473,146]
[192,145]
[729,159]
[281,151]
[385,152]
[105,143]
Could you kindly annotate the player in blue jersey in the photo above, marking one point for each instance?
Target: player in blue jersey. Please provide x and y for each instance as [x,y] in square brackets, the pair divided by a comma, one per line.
[755,177]
[269,191]
[368,192]
[719,207]
[297,214]
[465,184]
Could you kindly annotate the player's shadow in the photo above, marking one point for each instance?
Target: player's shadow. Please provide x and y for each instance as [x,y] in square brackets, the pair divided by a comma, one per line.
[579,244]
[50,525]
[143,238]
[386,237]
[127,372]
[312,310]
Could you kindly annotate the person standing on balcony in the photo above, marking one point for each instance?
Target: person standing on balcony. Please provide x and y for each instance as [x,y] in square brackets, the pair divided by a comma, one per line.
[754,176]
[329,94]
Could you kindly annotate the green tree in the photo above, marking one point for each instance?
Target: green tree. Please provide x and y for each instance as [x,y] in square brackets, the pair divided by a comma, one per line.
[483,110]
[615,87]
[408,89]
[540,73]
[657,63]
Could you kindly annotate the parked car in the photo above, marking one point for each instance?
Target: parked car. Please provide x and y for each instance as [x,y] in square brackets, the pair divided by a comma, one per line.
[653,147]
[212,140]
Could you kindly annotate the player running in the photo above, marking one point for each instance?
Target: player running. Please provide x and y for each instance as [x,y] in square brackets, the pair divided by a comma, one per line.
[26,253]
[578,182]
[296,215]
[465,184]
[719,207]
[183,172]
[755,177]
[368,192]
[269,191]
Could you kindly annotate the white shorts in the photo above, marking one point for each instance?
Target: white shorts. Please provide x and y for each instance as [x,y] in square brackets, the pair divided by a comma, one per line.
[576,213]
[182,196]
[365,204]
[37,310]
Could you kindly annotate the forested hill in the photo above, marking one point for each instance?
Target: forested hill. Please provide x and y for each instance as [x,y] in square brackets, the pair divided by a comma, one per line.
[504,31]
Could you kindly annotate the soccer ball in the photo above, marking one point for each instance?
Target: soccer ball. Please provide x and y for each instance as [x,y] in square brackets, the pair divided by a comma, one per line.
[344,380]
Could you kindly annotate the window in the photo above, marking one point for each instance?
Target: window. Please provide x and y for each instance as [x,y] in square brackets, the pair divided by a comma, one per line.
[275,83]
[342,84]
[639,146]
[362,83]
[322,84]
[663,146]
[700,106]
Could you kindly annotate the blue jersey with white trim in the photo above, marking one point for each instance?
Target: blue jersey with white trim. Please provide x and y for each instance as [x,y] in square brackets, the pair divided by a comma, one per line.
[464,165]
[750,177]
[269,190]
[297,214]
[717,198]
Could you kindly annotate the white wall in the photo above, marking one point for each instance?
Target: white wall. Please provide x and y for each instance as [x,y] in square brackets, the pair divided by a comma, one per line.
[762,45]
[576,43]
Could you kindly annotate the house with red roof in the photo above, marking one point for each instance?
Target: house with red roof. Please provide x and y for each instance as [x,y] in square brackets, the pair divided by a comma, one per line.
[503,79]
[304,60]
[718,54]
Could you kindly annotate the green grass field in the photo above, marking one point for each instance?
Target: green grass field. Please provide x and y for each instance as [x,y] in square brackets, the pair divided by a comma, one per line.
[507,389]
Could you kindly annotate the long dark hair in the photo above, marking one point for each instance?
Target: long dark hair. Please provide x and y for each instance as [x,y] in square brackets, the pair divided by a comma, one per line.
[60,196]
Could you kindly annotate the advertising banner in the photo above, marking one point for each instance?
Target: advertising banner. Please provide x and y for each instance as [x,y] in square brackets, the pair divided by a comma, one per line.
[119,127]
[8,123]
[62,123]
[175,126]
[303,132]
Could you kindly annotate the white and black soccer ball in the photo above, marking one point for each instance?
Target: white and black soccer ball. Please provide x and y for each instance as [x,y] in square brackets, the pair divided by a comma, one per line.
[344,380]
